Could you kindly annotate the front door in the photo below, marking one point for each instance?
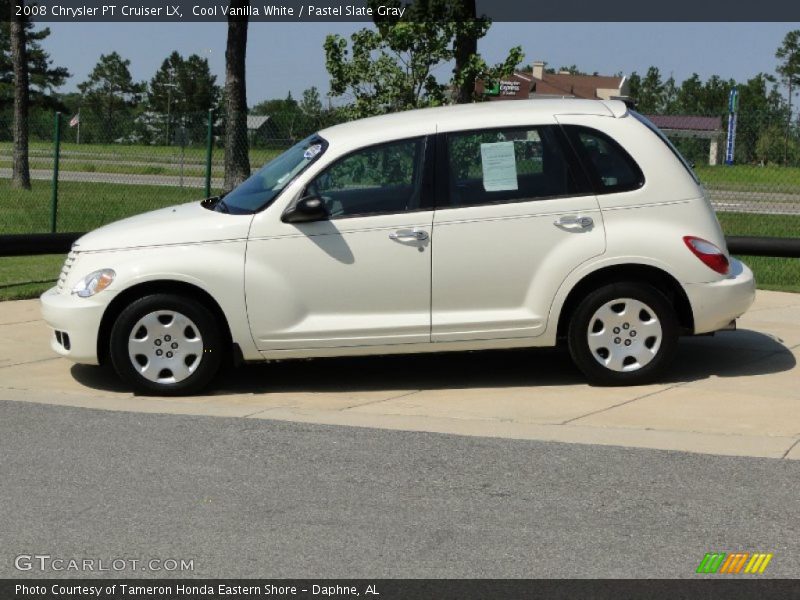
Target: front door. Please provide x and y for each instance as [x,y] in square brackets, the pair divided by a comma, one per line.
[362,277]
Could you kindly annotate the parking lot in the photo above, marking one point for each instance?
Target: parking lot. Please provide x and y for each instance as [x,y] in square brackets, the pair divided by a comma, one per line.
[734,393]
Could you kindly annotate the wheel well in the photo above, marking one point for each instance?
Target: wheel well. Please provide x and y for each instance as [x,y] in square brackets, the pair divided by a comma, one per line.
[661,280]
[131,294]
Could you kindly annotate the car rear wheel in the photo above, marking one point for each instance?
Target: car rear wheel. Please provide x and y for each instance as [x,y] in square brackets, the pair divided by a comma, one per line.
[623,334]
[164,344]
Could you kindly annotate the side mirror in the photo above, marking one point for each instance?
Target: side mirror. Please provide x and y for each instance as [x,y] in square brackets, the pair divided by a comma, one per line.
[306,210]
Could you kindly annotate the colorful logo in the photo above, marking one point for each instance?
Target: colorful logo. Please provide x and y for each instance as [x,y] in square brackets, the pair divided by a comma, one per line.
[734,563]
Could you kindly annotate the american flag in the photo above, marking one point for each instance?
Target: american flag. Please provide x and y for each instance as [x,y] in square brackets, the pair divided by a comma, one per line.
[75,120]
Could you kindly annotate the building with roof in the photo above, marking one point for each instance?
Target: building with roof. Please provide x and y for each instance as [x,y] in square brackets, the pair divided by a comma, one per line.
[691,126]
[538,83]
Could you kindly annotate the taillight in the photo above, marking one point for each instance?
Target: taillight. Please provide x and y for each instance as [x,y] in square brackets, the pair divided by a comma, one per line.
[712,257]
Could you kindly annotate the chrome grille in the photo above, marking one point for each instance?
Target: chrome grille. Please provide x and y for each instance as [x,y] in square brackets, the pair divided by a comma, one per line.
[65,270]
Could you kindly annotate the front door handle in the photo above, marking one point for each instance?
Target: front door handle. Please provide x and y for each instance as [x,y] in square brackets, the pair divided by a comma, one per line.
[409,235]
[574,223]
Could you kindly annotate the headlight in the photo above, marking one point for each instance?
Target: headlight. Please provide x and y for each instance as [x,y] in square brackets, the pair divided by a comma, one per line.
[94,283]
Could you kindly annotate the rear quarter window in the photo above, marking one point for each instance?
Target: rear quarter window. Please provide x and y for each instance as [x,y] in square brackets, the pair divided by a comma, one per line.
[609,166]
[660,135]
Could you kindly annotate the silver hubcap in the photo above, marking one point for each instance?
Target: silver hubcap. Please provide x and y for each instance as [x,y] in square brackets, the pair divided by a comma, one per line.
[624,334]
[165,346]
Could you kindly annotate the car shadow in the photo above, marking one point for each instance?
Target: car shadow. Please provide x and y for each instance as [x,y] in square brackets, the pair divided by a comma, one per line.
[727,354]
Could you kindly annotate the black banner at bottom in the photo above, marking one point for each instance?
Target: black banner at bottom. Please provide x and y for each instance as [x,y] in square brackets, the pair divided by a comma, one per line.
[396,589]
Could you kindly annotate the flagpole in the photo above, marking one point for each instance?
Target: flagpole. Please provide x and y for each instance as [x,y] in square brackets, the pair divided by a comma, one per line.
[78,137]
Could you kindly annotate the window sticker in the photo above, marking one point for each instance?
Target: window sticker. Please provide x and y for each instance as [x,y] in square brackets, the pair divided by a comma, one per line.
[499,167]
[312,151]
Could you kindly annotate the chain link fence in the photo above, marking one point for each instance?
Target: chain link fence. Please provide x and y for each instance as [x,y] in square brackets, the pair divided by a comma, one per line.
[117,165]
[759,193]
[753,182]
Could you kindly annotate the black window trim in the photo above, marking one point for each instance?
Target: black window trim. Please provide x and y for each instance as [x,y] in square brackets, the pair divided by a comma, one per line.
[571,133]
[426,201]
[575,166]
[317,139]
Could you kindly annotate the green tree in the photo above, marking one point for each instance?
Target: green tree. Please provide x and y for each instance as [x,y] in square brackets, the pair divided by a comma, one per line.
[20,171]
[651,92]
[465,46]
[789,71]
[311,104]
[392,68]
[571,69]
[43,76]
[109,96]
[182,92]
[690,96]
[761,107]
[771,148]
[669,97]
[26,78]
[287,121]
[237,146]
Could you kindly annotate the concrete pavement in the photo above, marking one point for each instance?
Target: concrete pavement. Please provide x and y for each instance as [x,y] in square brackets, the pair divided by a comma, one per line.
[733,394]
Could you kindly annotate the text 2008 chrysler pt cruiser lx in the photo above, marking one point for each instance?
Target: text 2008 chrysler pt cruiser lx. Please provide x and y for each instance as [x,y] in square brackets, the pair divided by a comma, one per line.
[496,225]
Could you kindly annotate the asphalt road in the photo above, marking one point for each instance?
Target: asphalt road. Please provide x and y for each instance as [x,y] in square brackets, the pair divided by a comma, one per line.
[245,498]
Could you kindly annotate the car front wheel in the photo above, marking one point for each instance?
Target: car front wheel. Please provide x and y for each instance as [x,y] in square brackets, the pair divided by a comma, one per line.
[164,344]
[623,334]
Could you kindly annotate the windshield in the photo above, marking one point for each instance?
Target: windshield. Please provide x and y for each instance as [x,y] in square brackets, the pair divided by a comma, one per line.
[265,184]
[651,126]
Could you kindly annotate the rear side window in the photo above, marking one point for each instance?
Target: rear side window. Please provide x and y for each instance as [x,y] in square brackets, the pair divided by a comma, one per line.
[508,165]
[610,167]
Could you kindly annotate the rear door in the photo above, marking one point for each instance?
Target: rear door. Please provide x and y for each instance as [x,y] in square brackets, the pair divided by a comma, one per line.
[515,215]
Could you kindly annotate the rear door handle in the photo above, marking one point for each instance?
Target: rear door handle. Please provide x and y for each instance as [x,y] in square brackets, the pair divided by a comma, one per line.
[574,223]
[409,235]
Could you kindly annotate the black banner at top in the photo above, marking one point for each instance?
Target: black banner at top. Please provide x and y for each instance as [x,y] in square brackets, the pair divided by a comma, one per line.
[367,10]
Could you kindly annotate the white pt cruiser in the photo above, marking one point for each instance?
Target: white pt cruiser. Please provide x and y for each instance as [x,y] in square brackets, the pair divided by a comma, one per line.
[495,225]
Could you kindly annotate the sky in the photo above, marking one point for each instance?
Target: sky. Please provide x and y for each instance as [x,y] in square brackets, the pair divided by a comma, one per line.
[288,57]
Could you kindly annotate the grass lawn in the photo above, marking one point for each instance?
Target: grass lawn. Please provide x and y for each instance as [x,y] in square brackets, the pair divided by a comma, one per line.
[750,178]
[759,225]
[28,276]
[190,170]
[82,206]
[781,274]
[118,158]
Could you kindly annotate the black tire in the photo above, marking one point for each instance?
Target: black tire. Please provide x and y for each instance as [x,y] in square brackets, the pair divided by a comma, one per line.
[642,364]
[201,356]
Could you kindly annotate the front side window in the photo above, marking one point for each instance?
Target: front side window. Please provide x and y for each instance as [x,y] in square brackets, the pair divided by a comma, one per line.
[380,179]
[265,184]
[508,165]
[611,167]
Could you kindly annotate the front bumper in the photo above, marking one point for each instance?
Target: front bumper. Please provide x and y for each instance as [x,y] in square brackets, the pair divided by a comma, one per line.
[75,323]
[716,304]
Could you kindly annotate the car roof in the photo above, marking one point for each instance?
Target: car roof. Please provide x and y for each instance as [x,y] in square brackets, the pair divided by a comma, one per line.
[426,121]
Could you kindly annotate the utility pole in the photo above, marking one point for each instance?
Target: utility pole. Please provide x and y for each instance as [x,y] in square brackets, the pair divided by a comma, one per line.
[169,101]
